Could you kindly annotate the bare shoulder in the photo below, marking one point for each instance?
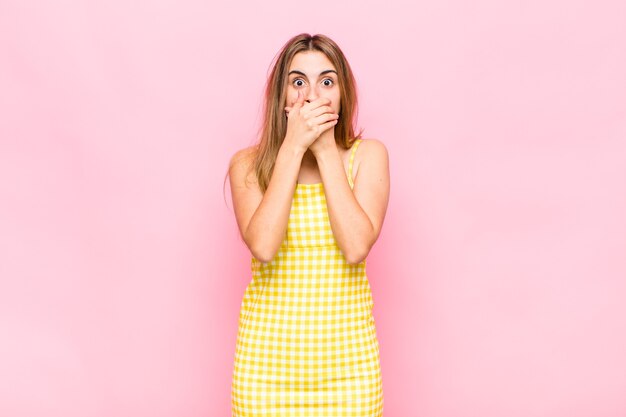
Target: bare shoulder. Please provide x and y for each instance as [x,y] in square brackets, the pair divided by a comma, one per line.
[373,147]
[371,151]
[242,157]
[240,166]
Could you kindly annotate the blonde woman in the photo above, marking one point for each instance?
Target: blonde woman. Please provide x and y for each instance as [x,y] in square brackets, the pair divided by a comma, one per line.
[309,199]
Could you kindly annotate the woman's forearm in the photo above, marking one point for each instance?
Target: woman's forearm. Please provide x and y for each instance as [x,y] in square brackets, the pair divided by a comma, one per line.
[352,228]
[268,225]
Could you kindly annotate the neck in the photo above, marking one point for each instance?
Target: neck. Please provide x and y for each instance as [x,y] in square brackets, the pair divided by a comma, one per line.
[309,158]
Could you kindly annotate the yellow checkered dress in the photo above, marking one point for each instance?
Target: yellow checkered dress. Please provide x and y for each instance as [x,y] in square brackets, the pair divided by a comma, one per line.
[306,344]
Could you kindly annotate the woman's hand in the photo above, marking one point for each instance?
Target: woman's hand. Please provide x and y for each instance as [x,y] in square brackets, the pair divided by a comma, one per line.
[307,121]
[325,142]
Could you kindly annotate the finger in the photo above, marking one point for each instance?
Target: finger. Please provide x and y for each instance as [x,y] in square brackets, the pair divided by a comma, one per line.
[315,104]
[320,101]
[320,110]
[299,100]
[328,125]
[326,117]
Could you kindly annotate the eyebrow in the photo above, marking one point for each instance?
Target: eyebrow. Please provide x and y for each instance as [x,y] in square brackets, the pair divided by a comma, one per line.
[303,74]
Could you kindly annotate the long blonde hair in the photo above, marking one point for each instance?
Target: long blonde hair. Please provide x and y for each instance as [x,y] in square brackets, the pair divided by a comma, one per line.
[274,125]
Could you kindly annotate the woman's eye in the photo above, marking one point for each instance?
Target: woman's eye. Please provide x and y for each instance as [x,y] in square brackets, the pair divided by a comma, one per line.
[328,82]
[298,82]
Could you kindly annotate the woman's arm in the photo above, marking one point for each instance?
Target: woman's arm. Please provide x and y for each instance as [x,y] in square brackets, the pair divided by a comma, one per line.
[357,215]
[262,218]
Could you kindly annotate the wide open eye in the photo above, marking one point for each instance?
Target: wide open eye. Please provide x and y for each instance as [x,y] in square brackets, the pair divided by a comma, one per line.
[328,82]
[298,82]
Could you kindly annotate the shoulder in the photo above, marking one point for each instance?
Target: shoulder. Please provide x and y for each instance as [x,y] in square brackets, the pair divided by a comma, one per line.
[372,156]
[371,150]
[373,145]
[241,163]
[242,157]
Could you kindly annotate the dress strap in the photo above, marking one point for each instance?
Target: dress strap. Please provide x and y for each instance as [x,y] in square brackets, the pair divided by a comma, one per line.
[356,145]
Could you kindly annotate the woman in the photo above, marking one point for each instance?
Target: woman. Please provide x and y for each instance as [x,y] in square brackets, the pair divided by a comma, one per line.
[309,207]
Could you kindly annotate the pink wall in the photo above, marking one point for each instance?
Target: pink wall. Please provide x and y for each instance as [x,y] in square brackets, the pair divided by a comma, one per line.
[499,279]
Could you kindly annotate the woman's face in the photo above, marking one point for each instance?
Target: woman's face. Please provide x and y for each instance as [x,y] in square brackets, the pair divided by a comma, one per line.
[312,73]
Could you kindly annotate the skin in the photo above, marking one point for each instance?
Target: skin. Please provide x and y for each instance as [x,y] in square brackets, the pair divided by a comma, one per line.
[309,154]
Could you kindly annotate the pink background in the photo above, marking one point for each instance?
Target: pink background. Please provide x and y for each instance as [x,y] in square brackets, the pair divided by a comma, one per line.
[499,279]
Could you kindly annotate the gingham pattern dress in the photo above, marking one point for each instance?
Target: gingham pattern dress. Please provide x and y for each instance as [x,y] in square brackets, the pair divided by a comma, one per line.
[306,343]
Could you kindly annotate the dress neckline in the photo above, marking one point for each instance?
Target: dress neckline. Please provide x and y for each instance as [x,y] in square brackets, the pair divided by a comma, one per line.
[300,185]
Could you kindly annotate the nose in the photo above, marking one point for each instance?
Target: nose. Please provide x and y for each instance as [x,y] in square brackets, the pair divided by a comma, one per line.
[311,94]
